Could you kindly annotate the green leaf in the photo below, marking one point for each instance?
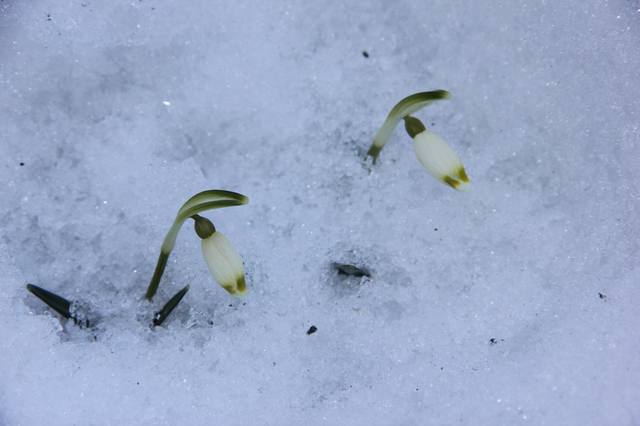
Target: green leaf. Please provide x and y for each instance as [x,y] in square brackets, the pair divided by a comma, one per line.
[406,106]
[69,310]
[166,310]
[213,196]
[205,200]
[351,270]
[55,302]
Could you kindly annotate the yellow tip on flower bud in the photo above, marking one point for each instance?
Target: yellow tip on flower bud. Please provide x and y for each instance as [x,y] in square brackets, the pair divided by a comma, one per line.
[224,263]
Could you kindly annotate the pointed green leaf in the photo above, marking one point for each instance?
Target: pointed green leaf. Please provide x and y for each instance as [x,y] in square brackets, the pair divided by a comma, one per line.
[55,302]
[69,310]
[351,270]
[166,310]
[406,106]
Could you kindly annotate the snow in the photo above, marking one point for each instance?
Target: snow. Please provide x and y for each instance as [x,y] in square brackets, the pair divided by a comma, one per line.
[112,114]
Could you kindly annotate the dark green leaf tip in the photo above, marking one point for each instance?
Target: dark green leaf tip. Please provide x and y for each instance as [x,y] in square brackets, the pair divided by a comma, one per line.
[55,302]
[166,310]
[351,270]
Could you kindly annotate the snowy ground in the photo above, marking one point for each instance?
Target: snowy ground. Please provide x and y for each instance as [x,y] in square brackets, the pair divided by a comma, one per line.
[516,302]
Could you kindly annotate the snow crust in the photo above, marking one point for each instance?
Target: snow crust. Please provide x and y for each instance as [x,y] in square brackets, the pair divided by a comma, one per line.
[516,302]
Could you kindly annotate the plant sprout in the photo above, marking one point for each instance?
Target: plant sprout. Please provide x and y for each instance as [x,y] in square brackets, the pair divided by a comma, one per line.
[66,308]
[435,155]
[351,270]
[206,200]
[405,107]
[166,310]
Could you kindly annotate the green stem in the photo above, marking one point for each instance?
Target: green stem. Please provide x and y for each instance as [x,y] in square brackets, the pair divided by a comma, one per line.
[157,274]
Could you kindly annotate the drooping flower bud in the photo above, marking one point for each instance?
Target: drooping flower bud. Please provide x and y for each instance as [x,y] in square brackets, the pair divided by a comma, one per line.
[224,263]
[435,155]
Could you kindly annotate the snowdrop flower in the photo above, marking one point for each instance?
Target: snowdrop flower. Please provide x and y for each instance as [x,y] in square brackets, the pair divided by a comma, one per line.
[435,155]
[224,263]
[406,106]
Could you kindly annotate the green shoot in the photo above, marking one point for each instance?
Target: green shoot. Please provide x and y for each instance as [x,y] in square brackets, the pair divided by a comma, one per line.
[166,310]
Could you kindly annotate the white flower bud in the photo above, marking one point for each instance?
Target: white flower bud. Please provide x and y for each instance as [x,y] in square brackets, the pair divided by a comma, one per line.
[436,156]
[224,263]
